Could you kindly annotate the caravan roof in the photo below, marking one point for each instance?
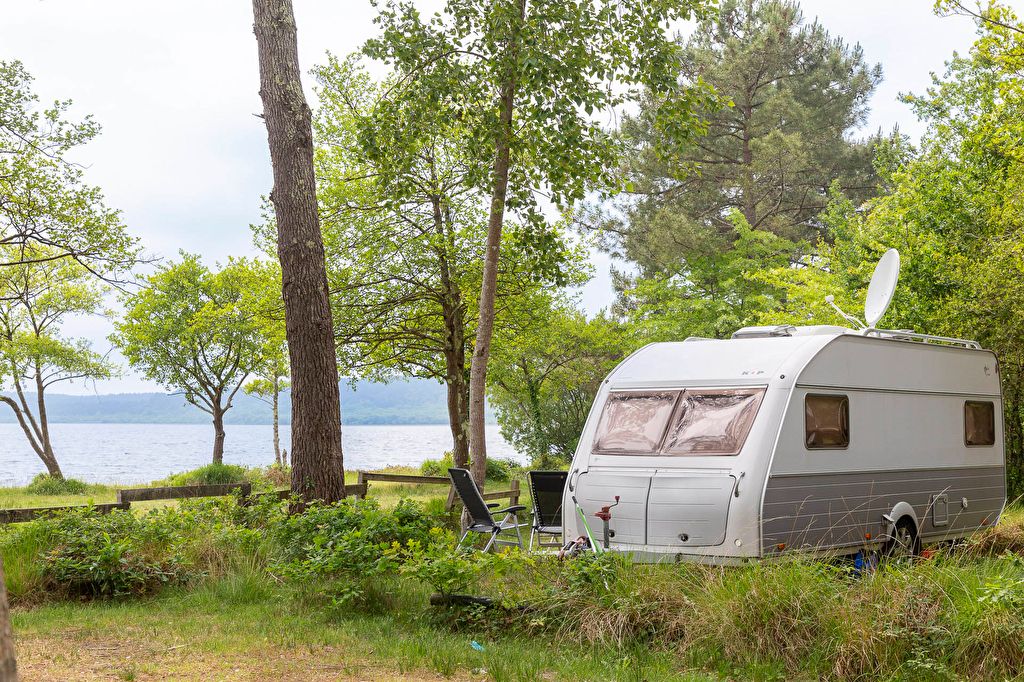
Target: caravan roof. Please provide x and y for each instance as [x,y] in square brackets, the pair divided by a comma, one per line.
[756,356]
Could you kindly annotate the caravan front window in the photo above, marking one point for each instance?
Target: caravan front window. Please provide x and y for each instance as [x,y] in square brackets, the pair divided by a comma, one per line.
[712,422]
[633,422]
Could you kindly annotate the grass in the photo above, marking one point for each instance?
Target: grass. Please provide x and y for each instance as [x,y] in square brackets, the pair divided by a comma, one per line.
[97,493]
[247,627]
[959,615]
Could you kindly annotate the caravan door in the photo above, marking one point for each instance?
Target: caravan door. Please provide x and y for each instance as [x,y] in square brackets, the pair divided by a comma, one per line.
[688,509]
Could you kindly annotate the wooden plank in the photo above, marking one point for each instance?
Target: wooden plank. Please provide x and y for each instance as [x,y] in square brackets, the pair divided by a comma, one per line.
[180,492]
[30,513]
[403,478]
[356,491]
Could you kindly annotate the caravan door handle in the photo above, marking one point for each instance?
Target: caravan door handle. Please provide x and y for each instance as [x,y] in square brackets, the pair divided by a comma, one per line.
[572,479]
[736,485]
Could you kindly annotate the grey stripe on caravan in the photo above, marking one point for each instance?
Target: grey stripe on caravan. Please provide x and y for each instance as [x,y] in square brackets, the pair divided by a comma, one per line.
[918,470]
[874,389]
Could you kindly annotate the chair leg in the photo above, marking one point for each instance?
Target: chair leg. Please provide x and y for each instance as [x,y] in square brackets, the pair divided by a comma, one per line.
[533,534]
[519,535]
[458,545]
[490,542]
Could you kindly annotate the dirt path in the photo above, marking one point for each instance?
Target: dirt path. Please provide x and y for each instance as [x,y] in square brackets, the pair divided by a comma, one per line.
[64,657]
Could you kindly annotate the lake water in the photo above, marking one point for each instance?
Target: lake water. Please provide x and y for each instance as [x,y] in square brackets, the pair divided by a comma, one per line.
[140,453]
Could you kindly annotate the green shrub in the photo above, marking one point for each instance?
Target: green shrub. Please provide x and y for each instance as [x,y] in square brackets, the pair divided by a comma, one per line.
[211,474]
[497,469]
[353,544]
[110,555]
[44,484]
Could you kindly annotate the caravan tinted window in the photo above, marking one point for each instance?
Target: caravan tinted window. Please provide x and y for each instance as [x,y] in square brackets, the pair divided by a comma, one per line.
[712,422]
[634,422]
[826,421]
[979,423]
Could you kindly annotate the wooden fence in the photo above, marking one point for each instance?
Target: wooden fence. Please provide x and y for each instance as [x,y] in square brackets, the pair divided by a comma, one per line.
[364,478]
[127,496]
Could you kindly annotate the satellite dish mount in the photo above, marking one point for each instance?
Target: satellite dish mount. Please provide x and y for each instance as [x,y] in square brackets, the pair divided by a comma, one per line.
[880,291]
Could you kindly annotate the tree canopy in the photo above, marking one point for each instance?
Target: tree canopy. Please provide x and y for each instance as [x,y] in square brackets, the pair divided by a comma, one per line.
[44,199]
[201,332]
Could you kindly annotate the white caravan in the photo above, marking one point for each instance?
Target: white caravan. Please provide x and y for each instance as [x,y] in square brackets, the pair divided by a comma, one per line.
[817,438]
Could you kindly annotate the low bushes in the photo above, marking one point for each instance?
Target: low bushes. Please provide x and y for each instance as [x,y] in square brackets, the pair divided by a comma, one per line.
[211,474]
[959,615]
[44,484]
[498,470]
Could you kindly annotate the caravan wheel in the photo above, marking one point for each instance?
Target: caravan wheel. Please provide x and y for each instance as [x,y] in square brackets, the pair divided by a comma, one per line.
[904,543]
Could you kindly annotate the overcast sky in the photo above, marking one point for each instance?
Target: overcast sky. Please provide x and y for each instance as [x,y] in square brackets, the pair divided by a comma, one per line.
[175,87]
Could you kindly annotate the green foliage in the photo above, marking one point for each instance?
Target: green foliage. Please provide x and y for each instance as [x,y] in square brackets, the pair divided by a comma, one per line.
[498,470]
[46,202]
[570,63]
[201,332]
[790,95]
[211,474]
[546,373]
[37,296]
[44,484]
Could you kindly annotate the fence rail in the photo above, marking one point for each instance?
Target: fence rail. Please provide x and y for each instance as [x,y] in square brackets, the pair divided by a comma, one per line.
[127,496]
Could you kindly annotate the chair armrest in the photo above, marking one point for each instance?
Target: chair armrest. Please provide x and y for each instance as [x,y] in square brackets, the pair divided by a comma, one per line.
[492,505]
[511,510]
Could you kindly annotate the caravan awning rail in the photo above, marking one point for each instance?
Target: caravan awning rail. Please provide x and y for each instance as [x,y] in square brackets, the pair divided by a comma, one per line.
[904,334]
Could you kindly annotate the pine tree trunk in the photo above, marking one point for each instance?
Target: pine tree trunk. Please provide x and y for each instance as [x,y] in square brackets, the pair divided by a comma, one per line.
[488,289]
[8,669]
[317,466]
[218,436]
[277,430]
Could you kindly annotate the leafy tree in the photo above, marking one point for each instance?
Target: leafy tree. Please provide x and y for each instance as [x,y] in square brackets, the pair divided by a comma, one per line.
[546,374]
[37,296]
[528,81]
[44,201]
[405,241]
[779,138]
[199,332]
[318,471]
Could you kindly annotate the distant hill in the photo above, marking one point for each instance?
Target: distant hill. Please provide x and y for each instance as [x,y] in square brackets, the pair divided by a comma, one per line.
[411,401]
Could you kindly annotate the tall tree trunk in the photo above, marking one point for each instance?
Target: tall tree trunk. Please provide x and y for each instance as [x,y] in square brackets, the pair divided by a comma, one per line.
[218,435]
[458,407]
[317,466]
[52,467]
[277,429]
[8,669]
[488,288]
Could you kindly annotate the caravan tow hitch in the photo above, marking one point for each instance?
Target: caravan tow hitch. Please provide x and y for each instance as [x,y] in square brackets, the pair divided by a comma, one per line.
[606,516]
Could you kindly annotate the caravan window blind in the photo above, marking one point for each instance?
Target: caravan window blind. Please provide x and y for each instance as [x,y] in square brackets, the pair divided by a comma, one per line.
[712,422]
[826,422]
[979,423]
[634,422]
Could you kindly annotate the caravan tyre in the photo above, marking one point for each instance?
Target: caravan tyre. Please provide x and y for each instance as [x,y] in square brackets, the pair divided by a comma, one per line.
[904,543]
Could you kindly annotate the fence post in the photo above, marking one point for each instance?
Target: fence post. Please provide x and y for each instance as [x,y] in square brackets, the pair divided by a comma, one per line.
[361,480]
[514,497]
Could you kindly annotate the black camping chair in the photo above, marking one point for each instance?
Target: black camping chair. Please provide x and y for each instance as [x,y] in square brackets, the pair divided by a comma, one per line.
[546,489]
[480,512]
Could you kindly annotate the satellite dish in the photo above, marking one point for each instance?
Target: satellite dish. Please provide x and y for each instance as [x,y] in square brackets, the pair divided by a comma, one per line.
[882,287]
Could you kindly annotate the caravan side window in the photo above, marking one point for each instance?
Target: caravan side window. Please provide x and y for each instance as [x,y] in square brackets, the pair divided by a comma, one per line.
[633,423]
[979,423]
[826,422]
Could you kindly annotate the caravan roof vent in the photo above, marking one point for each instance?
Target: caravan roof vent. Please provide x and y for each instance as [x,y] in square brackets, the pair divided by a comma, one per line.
[764,332]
